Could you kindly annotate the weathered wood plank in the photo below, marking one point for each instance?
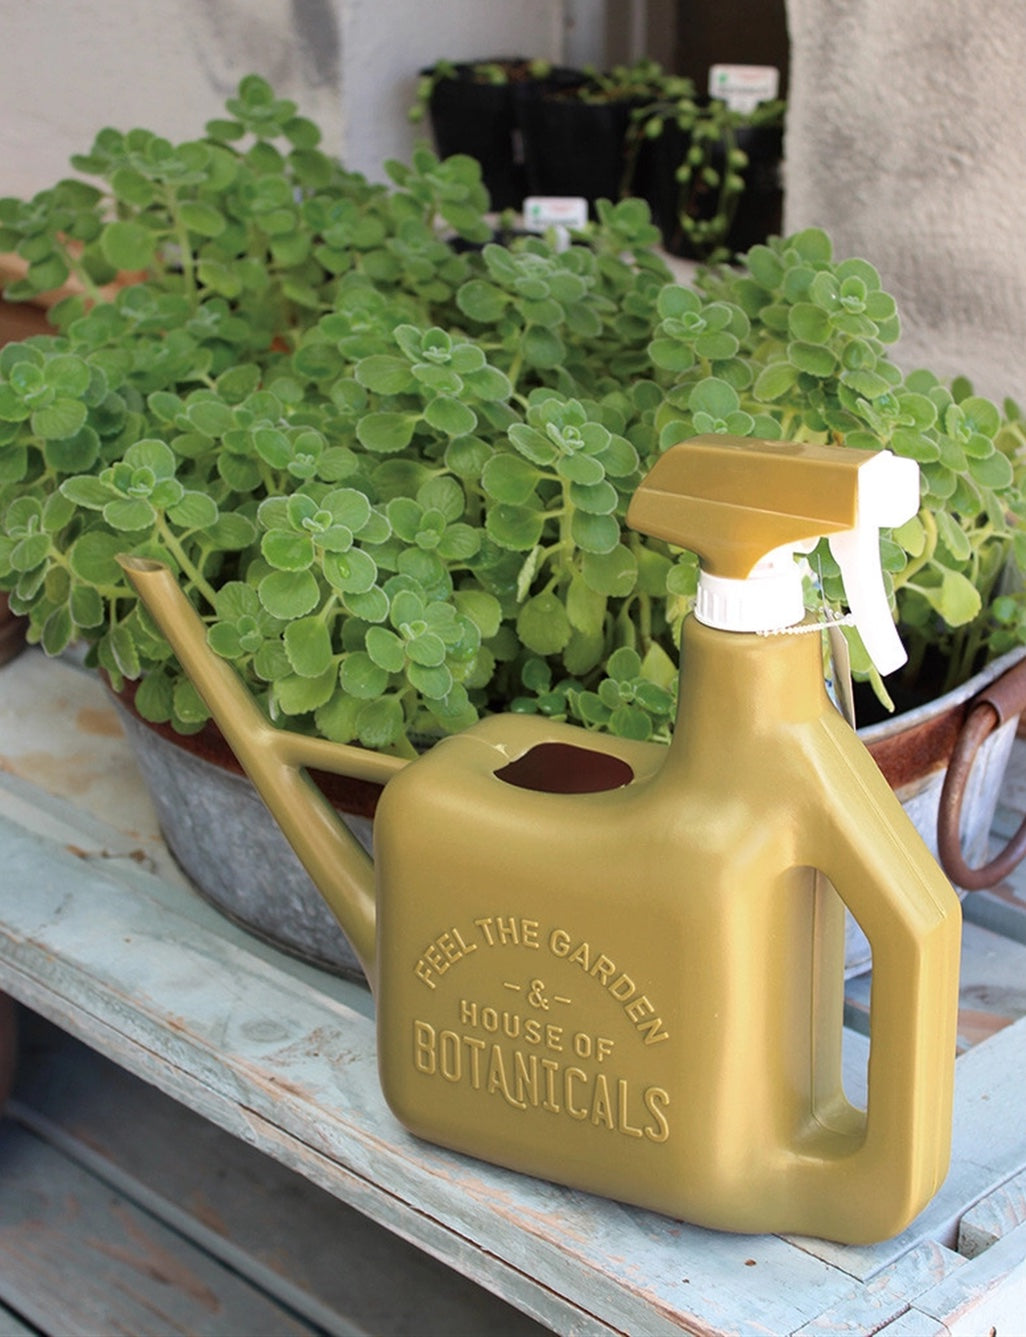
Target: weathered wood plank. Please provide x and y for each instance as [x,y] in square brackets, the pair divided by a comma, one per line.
[988,1147]
[866,1307]
[913,1323]
[988,1294]
[257,1044]
[993,1217]
[77,1258]
[61,736]
[433,1236]
[12,1326]
[314,1254]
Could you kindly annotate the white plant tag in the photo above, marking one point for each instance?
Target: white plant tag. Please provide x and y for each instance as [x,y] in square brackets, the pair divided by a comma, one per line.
[743,87]
[561,213]
[544,211]
[840,662]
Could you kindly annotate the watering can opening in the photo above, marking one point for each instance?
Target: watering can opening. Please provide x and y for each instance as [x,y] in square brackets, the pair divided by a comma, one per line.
[563,768]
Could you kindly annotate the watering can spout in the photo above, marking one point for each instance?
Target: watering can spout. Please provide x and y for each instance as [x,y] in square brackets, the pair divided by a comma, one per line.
[275,759]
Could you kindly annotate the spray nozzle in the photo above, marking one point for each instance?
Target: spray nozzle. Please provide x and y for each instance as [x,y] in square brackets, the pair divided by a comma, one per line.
[746,507]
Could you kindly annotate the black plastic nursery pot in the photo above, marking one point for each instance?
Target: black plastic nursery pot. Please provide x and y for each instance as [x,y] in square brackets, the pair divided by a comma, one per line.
[471,114]
[654,179]
[761,207]
[573,147]
[759,211]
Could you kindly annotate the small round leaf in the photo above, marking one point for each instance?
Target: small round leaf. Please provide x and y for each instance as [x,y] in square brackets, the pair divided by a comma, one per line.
[289,594]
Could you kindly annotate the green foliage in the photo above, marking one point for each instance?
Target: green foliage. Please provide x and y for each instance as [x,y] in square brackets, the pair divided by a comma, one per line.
[711,174]
[392,474]
[814,365]
[498,73]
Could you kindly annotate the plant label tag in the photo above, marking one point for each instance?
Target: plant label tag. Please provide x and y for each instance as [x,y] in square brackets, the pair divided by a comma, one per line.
[840,676]
[564,213]
[743,87]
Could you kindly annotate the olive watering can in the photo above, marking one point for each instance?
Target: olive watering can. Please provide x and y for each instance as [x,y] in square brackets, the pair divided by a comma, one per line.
[619,966]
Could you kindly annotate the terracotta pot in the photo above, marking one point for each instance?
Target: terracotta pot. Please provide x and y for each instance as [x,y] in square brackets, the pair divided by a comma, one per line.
[222,835]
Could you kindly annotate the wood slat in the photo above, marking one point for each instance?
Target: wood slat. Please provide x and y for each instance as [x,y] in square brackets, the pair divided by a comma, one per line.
[913,1323]
[995,1216]
[311,1252]
[988,1295]
[864,1308]
[12,1326]
[77,1258]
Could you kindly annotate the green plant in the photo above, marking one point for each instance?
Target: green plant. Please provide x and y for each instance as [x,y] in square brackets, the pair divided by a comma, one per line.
[495,72]
[642,82]
[305,403]
[817,367]
[711,174]
[393,475]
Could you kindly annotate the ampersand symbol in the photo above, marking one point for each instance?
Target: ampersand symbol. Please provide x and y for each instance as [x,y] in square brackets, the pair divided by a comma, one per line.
[536,995]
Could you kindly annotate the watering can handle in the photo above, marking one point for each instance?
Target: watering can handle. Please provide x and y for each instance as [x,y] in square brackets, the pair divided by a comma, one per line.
[1003,700]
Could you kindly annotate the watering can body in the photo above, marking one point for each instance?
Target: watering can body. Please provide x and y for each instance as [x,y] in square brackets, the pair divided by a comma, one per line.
[620,966]
[638,989]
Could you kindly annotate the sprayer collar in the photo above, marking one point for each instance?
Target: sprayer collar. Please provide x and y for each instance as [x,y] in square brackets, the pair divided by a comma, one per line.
[766,602]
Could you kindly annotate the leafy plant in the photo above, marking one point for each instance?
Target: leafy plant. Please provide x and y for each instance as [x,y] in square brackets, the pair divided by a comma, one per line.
[392,475]
[641,82]
[498,73]
[816,364]
[711,174]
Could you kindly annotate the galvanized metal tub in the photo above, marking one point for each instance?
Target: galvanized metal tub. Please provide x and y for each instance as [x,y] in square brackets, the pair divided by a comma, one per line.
[224,838]
[914,750]
[228,844]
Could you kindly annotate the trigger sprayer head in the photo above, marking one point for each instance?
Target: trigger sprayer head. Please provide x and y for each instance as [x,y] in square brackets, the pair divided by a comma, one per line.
[888,495]
[746,507]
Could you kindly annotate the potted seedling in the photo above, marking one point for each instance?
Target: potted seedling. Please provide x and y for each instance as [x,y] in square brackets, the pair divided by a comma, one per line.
[537,129]
[575,136]
[711,172]
[472,107]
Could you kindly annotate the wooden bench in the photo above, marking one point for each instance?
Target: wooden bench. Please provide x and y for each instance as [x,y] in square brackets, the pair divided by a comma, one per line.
[102,936]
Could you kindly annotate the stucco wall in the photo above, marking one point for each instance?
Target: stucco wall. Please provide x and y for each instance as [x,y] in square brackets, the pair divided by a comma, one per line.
[905,139]
[73,66]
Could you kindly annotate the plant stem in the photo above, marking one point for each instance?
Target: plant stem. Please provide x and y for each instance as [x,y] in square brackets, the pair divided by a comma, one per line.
[82,276]
[170,541]
[181,233]
[515,367]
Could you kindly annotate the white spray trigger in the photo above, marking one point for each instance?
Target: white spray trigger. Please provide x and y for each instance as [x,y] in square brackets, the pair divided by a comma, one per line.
[888,495]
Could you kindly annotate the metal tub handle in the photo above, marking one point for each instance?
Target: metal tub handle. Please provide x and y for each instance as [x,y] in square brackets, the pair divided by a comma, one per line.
[999,702]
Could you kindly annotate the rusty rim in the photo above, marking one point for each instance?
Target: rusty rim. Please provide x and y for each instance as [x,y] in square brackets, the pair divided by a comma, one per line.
[358,798]
[917,742]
